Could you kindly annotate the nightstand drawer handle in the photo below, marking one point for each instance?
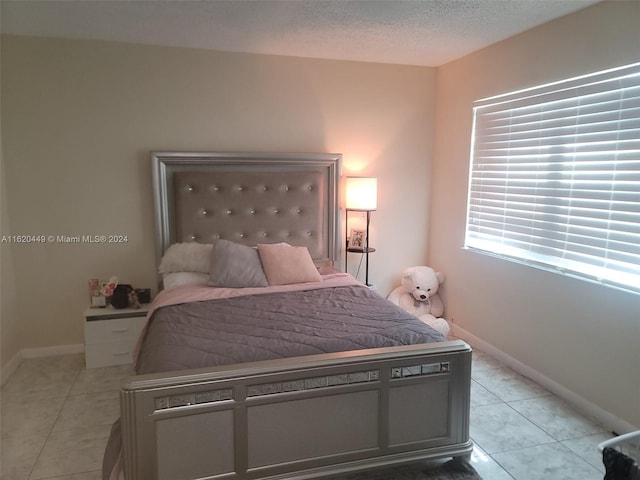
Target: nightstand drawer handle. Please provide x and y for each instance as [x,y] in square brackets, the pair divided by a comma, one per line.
[116,354]
[119,330]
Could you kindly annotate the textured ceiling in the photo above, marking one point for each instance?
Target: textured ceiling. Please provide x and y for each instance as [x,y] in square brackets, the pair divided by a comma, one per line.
[413,32]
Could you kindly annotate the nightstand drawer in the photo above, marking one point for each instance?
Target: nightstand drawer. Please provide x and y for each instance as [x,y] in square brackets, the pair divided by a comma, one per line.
[110,335]
[107,354]
[115,330]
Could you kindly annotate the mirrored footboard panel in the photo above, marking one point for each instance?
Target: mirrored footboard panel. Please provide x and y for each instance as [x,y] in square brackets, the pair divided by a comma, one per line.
[299,418]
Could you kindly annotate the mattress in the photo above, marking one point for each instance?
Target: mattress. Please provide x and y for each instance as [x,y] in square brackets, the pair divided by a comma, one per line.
[270,325]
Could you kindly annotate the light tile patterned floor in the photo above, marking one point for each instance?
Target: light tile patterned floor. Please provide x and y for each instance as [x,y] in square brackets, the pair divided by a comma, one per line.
[56,417]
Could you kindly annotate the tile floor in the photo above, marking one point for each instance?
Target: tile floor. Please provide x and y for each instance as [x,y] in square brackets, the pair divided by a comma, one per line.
[56,417]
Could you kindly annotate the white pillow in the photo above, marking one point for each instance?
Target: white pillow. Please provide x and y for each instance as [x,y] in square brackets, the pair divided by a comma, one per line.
[178,279]
[186,257]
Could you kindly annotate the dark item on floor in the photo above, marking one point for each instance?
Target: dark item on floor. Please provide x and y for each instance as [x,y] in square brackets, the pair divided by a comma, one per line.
[619,466]
[456,469]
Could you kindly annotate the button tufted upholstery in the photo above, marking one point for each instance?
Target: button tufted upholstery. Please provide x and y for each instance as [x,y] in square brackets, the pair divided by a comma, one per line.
[253,207]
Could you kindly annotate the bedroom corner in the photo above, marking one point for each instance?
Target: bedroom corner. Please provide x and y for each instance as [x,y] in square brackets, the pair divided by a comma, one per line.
[570,331]
[9,336]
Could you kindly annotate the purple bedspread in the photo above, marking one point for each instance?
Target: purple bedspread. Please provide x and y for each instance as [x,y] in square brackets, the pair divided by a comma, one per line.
[276,325]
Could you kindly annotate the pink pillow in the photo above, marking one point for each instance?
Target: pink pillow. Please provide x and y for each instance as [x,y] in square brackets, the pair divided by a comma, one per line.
[284,265]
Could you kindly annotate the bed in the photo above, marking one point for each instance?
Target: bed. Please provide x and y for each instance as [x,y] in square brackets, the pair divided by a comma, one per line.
[307,375]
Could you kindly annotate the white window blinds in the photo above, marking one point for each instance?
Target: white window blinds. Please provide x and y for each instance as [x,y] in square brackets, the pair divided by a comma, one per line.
[555,177]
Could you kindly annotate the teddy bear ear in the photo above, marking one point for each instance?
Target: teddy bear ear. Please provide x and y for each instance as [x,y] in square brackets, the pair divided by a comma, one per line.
[440,277]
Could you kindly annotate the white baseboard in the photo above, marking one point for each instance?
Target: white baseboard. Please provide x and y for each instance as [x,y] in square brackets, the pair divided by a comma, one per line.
[583,405]
[14,363]
[10,367]
[52,351]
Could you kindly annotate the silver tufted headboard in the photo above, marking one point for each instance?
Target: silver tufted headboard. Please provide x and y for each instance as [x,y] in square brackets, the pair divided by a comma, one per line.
[248,198]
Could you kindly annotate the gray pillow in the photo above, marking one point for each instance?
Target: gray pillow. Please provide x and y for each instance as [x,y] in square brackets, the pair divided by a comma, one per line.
[236,266]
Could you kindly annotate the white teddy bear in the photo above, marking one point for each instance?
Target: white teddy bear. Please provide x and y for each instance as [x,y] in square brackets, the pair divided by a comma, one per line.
[418,295]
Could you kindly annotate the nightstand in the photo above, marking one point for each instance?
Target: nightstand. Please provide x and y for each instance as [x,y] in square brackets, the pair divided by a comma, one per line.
[110,335]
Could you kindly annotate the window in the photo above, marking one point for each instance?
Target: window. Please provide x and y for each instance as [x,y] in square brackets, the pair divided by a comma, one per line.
[555,177]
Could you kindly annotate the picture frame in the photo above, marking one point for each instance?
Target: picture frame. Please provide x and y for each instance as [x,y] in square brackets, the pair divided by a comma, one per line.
[357,239]
[96,298]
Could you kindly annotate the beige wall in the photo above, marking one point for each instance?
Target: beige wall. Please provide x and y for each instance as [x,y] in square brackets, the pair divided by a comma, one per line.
[9,336]
[79,119]
[9,340]
[583,336]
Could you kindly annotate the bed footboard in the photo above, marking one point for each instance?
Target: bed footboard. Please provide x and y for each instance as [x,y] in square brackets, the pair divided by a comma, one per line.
[299,418]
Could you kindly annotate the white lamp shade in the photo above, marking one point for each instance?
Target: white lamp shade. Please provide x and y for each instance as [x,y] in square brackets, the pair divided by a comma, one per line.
[362,193]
